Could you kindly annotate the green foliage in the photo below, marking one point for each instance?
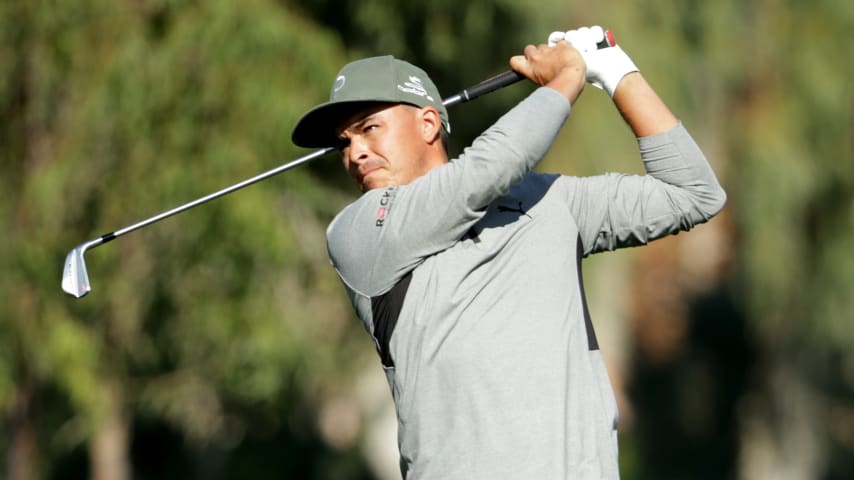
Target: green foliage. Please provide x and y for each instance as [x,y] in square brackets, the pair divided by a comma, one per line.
[115,111]
[766,89]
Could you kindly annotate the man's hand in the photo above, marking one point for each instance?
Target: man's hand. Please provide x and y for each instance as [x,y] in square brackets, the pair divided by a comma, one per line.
[560,67]
[605,66]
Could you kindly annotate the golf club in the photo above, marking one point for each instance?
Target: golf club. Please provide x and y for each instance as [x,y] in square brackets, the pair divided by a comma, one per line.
[75,278]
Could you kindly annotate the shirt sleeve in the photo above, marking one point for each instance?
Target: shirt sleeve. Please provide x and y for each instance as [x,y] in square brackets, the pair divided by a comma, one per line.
[388,232]
[679,191]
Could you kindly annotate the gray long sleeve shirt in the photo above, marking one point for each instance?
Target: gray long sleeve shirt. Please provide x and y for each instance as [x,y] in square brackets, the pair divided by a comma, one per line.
[469,280]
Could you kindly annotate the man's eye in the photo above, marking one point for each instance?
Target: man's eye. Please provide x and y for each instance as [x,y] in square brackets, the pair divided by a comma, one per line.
[342,143]
[370,127]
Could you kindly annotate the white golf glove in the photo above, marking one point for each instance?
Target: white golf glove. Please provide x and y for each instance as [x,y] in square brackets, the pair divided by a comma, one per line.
[605,66]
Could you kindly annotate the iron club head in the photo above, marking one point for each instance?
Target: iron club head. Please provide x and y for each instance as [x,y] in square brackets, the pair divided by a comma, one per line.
[75,279]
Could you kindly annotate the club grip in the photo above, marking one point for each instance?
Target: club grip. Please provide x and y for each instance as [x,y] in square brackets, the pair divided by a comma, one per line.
[489,85]
[507,78]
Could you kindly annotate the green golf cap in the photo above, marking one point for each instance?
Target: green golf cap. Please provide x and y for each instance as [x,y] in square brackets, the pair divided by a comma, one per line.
[375,79]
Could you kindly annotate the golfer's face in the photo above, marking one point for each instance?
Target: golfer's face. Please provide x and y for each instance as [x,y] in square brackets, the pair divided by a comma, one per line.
[383,146]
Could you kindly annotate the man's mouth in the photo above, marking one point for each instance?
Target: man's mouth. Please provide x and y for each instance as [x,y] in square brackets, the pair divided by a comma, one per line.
[368,169]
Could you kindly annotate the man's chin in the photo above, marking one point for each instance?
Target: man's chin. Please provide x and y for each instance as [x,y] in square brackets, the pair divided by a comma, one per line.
[367,188]
[372,182]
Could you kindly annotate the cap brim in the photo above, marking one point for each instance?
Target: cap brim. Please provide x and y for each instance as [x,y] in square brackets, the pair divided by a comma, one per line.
[317,128]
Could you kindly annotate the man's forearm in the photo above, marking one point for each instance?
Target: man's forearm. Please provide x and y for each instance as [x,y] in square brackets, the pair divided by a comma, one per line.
[641,108]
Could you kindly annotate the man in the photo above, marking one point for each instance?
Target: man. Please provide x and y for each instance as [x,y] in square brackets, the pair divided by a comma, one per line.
[467,272]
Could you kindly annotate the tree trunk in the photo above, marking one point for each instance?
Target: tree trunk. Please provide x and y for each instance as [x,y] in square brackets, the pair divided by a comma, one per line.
[22,453]
[108,448]
[781,434]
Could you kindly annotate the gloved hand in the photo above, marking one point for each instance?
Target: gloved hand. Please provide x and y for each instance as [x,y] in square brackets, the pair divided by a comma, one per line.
[605,66]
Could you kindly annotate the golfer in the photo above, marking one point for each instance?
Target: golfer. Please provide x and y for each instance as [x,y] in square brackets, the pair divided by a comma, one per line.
[466,273]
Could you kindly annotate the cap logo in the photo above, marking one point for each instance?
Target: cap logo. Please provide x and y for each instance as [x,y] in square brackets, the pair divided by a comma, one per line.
[339,84]
[415,87]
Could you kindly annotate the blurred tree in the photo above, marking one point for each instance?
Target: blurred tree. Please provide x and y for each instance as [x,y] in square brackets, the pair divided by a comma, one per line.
[792,118]
[765,89]
[214,325]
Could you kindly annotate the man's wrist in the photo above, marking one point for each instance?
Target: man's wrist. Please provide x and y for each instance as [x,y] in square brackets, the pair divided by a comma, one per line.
[569,82]
[618,66]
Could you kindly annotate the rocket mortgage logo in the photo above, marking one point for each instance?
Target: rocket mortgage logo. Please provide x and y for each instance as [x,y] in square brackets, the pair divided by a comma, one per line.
[385,205]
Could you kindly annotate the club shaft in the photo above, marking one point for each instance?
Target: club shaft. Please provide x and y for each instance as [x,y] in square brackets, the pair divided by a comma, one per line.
[489,85]
[225,191]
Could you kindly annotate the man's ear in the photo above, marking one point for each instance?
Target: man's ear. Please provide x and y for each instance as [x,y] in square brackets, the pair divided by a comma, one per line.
[431,124]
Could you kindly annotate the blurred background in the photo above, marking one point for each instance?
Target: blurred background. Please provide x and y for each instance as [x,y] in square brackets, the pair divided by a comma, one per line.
[219,344]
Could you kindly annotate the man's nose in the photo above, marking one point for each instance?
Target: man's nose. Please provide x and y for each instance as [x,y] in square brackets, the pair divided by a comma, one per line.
[358,150]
